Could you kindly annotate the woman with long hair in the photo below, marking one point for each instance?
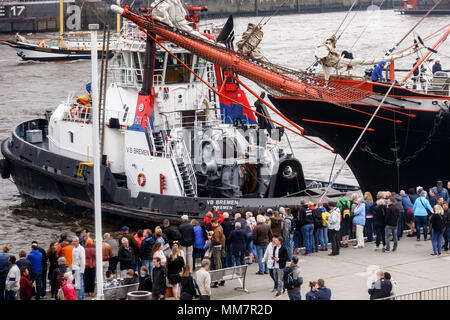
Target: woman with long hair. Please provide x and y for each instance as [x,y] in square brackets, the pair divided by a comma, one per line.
[175,265]
[368,228]
[52,256]
[89,270]
[438,227]
[157,251]
[187,284]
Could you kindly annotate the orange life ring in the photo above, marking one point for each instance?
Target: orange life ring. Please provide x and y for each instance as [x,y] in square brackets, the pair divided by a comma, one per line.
[141,179]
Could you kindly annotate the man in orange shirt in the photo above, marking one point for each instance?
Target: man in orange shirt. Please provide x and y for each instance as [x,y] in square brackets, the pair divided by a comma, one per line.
[64,249]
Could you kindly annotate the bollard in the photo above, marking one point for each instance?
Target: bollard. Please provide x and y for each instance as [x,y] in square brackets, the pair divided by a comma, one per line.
[139,295]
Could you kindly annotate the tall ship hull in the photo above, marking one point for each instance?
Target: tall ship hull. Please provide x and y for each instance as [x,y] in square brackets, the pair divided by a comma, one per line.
[391,155]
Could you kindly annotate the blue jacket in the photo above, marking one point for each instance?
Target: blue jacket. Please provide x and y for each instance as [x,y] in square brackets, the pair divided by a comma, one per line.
[145,250]
[359,215]
[420,206]
[369,211]
[377,73]
[4,266]
[310,295]
[199,239]
[35,258]
[406,202]
[323,294]
[441,192]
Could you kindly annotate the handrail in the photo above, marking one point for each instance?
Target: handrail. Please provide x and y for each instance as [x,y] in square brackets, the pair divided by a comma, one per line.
[435,293]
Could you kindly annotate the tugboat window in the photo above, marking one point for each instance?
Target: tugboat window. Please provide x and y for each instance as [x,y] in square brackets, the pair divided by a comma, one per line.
[71,136]
[176,72]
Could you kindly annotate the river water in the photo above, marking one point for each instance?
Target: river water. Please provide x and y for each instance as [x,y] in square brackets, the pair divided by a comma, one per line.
[27,89]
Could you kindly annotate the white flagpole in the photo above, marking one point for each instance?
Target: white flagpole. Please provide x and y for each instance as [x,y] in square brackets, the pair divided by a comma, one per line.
[96,154]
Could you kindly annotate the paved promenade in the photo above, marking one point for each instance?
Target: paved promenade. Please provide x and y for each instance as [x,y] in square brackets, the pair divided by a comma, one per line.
[347,274]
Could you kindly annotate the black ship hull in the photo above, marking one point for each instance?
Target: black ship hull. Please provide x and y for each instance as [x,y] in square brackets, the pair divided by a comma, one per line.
[52,178]
[421,143]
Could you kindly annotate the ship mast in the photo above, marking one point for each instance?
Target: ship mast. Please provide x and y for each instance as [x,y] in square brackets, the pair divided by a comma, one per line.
[61,22]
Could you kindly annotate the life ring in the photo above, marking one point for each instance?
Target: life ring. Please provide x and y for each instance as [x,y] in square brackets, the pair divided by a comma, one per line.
[141,179]
[74,114]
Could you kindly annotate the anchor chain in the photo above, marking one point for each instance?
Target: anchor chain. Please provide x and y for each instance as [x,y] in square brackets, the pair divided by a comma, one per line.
[437,121]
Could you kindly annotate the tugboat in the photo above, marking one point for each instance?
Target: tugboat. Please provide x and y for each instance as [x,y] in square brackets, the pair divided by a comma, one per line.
[170,145]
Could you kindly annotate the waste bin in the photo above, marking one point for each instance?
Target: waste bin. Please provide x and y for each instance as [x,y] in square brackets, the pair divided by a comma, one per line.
[139,295]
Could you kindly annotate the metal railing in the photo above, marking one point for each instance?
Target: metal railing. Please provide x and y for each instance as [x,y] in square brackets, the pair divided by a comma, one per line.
[436,293]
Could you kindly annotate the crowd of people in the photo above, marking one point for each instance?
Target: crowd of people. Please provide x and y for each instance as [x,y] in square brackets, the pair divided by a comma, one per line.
[162,260]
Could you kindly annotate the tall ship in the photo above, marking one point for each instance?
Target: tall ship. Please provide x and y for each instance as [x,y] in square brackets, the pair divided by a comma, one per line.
[409,132]
[178,136]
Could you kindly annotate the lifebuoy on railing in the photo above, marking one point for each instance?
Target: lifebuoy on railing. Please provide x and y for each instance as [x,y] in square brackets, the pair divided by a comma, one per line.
[74,112]
[141,179]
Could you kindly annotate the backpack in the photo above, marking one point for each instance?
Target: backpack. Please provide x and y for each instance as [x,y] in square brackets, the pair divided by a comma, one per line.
[292,228]
[345,209]
[59,279]
[288,279]
[317,218]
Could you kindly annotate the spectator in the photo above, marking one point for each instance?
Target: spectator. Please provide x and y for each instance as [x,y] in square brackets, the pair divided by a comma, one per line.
[160,236]
[217,244]
[175,265]
[379,223]
[130,277]
[199,241]
[107,255]
[324,230]
[420,209]
[413,195]
[52,256]
[110,280]
[210,215]
[23,261]
[287,232]
[401,214]
[437,67]
[146,251]
[334,226]
[306,222]
[89,271]
[440,191]
[409,216]
[83,236]
[44,270]
[251,224]
[126,257]
[437,225]
[4,268]
[112,262]
[187,284]
[381,288]
[203,280]
[131,242]
[262,234]
[35,257]
[25,284]
[58,277]
[270,262]
[388,277]
[187,239]
[322,292]
[238,242]
[368,227]
[391,219]
[293,279]
[432,197]
[317,219]
[280,257]
[138,237]
[65,248]
[227,226]
[145,284]
[446,217]
[12,285]
[242,221]
[67,286]
[276,223]
[78,266]
[359,219]
[172,233]
[344,206]
[159,279]
[313,287]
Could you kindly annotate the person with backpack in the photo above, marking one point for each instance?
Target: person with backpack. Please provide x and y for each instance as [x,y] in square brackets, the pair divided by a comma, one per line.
[359,219]
[172,232]
[293,279]
[288,231]
[344,206]
[317,218]
[58,277]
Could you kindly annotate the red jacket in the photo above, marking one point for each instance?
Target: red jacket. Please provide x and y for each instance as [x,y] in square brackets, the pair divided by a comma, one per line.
[90,257]
[207,219]
[69,291]
[25,288]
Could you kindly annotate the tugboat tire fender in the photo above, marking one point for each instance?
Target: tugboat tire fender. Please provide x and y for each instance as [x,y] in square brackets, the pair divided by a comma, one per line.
[141,179]
[5,168]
